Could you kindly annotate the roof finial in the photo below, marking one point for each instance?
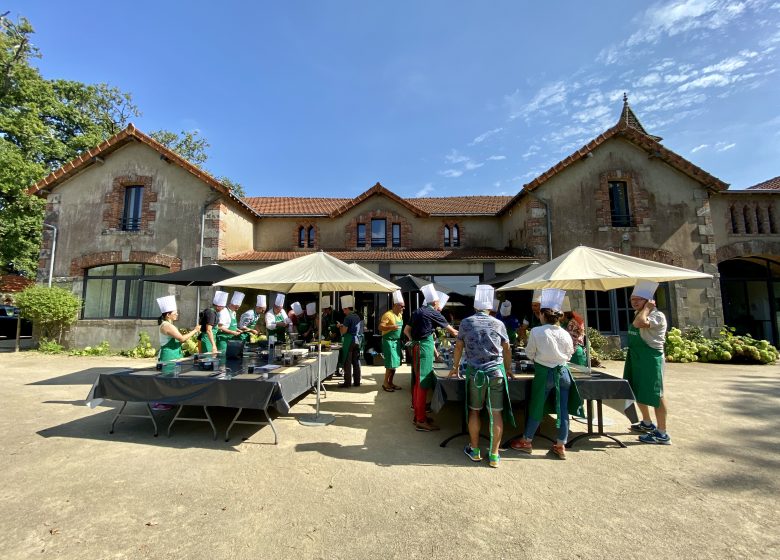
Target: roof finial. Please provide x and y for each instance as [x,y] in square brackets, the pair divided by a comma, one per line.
[625,98]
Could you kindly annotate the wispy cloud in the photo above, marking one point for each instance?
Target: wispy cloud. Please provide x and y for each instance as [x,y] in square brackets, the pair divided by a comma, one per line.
[425,191]
[496,158]
[485,135]
[723,146]
[550,95]
[451,173]
[699,148]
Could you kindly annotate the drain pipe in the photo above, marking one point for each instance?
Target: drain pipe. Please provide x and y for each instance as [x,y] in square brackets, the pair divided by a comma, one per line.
[53,250]
[549,227]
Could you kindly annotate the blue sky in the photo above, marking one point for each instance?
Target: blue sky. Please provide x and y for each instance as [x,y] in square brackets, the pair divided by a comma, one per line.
[436,98]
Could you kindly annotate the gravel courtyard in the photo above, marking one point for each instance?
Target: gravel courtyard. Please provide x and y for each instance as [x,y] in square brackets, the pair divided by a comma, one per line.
[369,486]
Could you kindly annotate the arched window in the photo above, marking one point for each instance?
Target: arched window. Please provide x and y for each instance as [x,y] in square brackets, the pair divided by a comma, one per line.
[446,236]
[772,221]
[455,236]
[759,220]
[117,291]
[301,236]
[733,215]
[748,223]
[312,235]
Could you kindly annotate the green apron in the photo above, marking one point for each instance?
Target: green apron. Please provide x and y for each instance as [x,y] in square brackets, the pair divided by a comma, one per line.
[512,334]
[222,338]
[170,351]
[392,347]
[279,332]
[246,335]
[644,370]
[423,354]
[346,342]
[303,326]
[540,405]
[579,356]
[480,379]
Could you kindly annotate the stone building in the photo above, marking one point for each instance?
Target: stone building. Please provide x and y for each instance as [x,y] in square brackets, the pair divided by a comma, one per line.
[130,208]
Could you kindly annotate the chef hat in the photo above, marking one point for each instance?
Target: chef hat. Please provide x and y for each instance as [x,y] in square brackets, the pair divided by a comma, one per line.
[279,302]
[261,301]
[443,299]
[495,305]
[645,289]
[506,308]
[311,308]
[347,301]
[566,306]
[398,297]
[483,297]
[220,298]
[537,297]
[430,293]
[552,298]
[297,309]
[166,304]
[237,299]
[325,302]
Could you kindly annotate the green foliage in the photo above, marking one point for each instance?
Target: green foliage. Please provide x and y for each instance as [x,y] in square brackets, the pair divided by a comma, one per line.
[47,346]
[102,349]
[43,125]
[689,345]
[52,310]
[188,144]
[143,349]
[237,188]
[599,349]
[190,346]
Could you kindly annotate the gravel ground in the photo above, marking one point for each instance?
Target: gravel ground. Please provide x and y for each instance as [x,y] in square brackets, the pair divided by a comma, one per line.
[370,486]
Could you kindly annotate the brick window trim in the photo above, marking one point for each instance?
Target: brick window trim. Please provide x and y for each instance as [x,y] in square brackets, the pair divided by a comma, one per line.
[461,232]
[638,205]
[79,265]
[350,230]
[305,226]
[114,201]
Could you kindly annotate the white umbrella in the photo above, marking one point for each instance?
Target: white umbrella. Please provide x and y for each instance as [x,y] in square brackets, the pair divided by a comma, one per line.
[314,272]
[584,268]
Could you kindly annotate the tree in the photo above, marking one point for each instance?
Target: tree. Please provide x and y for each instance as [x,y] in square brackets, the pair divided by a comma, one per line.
[43,125]
[237,188]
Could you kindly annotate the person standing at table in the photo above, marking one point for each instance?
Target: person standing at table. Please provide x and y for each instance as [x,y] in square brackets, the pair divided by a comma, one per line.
[247,324]
[227,325]
[308,322]
[575,326]
[511,322]
[276,320]
[484,343]
[420,332]
[171,338]
[534,319]
[550,347]
[644,367]
[208,323]
[390,326]
[351,339]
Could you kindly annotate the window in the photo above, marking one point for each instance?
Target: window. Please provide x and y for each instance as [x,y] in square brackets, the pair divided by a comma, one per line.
[618,204]
[378,232]
[611,312]
[771,219]
[361,235]
[446,236]
[116,291]
[396,235]
[301,237]
[131,216]
[455,236]
[746,217]
[734,225]
[312,235]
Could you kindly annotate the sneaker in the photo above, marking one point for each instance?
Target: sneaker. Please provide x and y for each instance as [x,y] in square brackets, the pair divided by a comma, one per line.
[494,460]
[425,427]
[338,373]
[472,453]
[523,445]
[161,407]
[642,428]
[558,450]
[656,437]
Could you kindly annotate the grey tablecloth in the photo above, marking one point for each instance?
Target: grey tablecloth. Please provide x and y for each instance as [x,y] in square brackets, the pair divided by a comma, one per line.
[202,388]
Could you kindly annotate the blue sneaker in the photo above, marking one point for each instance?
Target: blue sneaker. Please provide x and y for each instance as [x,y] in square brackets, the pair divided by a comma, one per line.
[656,437]
[472,453]
[643,428]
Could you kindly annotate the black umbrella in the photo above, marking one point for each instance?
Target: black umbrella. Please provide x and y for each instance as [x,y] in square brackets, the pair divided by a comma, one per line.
[502,279]
[199,276]
[411,283]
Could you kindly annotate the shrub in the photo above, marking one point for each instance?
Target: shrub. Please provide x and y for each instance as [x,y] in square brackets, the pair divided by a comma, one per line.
[52,310]
[688,345]
[144,349]
[47,346]
[102,349]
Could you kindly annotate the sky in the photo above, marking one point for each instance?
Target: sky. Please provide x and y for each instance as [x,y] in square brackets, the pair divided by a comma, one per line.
[430,98]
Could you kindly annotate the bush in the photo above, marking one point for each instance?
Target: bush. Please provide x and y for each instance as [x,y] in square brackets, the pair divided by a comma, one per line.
[47,346]
[52,310]
[144,349]
[102,349]
[688,345]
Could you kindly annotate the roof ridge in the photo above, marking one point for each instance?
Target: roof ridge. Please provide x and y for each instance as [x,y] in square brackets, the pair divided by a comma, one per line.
[628,119]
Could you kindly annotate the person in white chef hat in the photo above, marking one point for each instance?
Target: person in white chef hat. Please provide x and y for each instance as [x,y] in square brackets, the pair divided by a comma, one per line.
[248,324]
[390,325]
[276,320]
[644,367]
[171,338]
[227,325]
[534,319]
[209,318]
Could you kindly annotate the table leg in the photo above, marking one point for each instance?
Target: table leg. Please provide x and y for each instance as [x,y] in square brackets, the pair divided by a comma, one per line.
[120,413]
[600,424]
[178,417]
[267,422]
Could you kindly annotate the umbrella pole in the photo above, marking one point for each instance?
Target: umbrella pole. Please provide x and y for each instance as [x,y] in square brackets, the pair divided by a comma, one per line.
[318,419]
[587,338]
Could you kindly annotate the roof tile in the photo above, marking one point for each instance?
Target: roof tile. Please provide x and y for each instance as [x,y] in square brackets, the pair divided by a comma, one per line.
[769,185]
[385,255]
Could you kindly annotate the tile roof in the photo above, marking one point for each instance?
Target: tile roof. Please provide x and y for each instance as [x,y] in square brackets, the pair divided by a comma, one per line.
[458,205]
[625,129]
[294,206]
[385,255]
[129,134]
[769,185]
[378,190]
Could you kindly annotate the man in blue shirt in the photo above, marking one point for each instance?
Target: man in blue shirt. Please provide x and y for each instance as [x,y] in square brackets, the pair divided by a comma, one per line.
[484,341]
[352,338]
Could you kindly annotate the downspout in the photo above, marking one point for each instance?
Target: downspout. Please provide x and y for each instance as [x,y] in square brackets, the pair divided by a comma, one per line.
[200,256]
[53,250]
[549,228]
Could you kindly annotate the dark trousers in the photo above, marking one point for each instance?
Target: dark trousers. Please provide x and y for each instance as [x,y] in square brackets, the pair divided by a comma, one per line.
[352,365]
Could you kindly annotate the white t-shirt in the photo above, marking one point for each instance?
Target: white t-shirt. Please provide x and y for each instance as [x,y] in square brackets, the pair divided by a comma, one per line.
[550,345]
[655,335]
[223,318]
[270,319]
